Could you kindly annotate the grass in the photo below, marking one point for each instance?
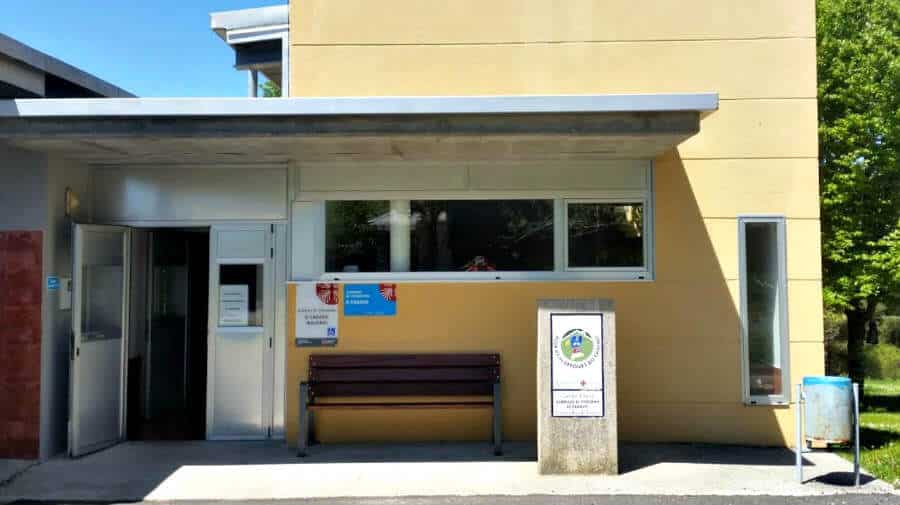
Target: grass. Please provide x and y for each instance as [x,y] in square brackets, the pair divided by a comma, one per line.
[883,387]
[880,430]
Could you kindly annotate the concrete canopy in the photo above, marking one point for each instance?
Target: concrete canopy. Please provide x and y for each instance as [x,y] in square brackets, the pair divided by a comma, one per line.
[181,131]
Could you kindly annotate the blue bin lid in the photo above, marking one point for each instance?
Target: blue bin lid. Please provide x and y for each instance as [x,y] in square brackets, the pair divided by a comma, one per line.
[825,380]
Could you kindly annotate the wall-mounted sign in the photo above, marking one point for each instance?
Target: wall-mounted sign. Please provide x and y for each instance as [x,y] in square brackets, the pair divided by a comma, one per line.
[234,304]
[316,313]
[576,367]
[370,299]
[52,283]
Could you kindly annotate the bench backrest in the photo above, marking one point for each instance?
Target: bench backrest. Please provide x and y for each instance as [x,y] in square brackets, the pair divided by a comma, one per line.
[403,374]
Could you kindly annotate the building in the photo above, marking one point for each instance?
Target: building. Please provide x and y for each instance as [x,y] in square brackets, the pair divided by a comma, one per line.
[480,157]
[28,73]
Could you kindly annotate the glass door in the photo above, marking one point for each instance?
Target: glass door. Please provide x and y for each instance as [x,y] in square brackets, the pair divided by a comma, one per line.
[99,319]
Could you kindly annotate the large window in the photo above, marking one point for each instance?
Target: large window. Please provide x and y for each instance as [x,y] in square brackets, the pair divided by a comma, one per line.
[764,309]
[481,235]
[490,238]
[357,236]
[605,235]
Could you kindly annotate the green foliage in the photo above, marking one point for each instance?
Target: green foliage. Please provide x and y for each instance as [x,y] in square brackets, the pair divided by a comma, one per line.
[835,326]
[883,361]
[270,89]
[889,330]
[836,357]
[859,130]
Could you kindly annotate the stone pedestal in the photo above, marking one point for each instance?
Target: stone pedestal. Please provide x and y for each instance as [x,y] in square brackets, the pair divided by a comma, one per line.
[577,430]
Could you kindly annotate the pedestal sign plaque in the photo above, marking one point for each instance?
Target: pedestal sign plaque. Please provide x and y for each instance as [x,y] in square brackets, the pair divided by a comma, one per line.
[577,430]
[576,366]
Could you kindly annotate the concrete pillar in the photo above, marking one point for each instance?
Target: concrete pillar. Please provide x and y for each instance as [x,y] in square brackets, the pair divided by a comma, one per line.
[253,83]
[577,414]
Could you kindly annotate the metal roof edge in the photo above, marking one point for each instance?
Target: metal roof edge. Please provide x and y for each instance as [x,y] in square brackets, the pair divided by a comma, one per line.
[48,64]
[218,107]
[222,21]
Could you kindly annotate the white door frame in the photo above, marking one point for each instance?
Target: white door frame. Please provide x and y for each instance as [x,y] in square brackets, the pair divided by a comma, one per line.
[265,257]
[77,306]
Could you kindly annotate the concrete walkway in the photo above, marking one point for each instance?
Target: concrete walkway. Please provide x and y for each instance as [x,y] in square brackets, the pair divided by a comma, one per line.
[10,468]
[167,471]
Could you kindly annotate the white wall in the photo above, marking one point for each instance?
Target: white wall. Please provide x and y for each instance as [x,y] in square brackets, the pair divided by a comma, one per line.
[185,195]
[57,324]
[23,184]
[315,180]
[32,197]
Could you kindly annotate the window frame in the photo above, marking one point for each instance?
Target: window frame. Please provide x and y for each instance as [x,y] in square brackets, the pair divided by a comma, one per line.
[784,336]
[560,271]
[307,220]
[646,239]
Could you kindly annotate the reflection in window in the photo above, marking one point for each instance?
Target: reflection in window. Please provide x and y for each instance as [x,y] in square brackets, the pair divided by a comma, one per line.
[481,235]
[102,285]
[763,298]
[439,236]
[605,235]
[357,236]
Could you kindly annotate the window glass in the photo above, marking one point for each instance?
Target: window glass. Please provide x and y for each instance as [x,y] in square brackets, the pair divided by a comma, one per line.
[102,277]
[481,235]
[605,235]
[763,308]
[357,236]
[240,295]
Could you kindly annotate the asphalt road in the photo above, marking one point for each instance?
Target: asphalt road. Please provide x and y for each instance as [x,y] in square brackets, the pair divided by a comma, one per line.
[852,499]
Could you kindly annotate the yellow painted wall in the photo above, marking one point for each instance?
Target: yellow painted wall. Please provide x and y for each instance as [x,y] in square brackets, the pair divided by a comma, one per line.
[678,336]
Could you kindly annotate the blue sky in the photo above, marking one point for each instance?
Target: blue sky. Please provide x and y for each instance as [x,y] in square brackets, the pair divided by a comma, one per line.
[148,47]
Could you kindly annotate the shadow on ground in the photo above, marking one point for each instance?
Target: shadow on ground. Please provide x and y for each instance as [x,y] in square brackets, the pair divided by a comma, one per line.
[844,479]
[885,403]
[637,456]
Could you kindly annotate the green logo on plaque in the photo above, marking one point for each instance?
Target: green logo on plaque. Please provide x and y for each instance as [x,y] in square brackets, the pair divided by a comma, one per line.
[576,346]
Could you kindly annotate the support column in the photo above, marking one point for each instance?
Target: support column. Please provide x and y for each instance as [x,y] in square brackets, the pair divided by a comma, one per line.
[253,83]
[400,236]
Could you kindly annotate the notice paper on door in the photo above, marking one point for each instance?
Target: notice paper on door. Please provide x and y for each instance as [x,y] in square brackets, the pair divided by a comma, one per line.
[234,305]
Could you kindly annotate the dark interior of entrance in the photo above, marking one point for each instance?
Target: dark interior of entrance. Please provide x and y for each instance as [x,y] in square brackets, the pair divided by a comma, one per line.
[168,334]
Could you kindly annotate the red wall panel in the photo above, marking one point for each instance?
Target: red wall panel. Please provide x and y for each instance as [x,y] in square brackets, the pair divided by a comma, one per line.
[20,343]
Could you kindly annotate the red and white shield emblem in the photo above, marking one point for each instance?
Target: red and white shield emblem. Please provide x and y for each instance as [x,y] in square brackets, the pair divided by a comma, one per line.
[388,291]
[327,292]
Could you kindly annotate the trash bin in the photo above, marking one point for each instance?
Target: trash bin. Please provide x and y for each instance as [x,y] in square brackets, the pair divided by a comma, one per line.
[828,409]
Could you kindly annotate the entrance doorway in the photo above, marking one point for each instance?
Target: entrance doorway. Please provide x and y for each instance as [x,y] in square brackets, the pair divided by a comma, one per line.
[174,334]
[167,354]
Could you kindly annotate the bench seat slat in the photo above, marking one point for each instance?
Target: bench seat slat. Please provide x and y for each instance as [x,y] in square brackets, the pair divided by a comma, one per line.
[368,381]
[468,374]
[423,405]
[401,389]
[402,360]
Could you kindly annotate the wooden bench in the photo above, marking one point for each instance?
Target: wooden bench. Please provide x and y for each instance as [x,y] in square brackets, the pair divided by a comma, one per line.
[345,376]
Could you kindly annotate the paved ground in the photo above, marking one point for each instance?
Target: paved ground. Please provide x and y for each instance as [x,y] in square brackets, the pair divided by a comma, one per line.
[9,468]
[858,499]
[269,471]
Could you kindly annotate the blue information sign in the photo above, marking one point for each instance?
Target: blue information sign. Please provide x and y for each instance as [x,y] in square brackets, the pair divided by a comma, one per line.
[52,283]
[370,299]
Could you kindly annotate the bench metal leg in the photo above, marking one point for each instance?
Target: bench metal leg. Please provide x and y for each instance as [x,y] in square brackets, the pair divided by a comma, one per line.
[498,422]
[303,427]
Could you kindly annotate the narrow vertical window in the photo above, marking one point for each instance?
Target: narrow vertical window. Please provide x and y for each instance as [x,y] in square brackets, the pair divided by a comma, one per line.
[764,309]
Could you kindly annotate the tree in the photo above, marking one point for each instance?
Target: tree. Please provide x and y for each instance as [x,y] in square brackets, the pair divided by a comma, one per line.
[859,133]
[270,89]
